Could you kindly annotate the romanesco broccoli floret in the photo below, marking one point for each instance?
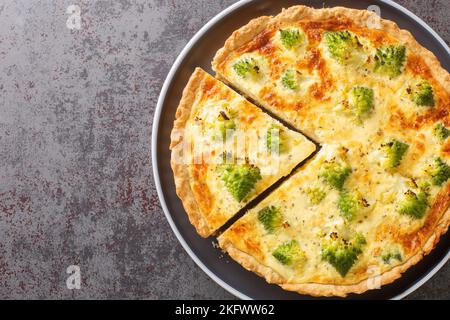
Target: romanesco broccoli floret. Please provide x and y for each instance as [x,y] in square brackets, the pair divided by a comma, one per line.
[422,94]
[441,132]
[290,79]
[388,257]
[341,44]
[389,60]
[395,150]
[290,254]
[291,38]
[350,203]
[276,140]
[271,218]
[315,195]
[246,67]
[335,174]
[240,179]
[440,172]
[361,101]
[342,253]
[414,205]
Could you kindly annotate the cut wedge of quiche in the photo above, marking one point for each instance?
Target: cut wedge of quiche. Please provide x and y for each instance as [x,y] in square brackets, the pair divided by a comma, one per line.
[226,151]
[374,200]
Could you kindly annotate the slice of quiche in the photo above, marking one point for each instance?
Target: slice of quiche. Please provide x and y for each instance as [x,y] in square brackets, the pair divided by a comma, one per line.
[226,151]
[336,74]
[342,224]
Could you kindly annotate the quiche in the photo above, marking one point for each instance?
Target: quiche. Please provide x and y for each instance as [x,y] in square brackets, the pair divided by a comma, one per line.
[226,151]
[374,199]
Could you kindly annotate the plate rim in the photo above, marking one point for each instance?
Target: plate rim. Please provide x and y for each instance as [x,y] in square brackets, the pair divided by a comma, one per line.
[154,152]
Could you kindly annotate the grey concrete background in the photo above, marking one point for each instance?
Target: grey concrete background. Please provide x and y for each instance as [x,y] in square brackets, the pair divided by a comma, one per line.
[76,109]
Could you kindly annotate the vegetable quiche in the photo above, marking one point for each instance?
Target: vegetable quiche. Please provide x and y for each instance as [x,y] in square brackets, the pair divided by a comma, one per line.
[371,202]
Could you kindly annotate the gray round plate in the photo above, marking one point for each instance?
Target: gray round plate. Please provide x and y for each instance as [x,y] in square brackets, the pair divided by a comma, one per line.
[199,52]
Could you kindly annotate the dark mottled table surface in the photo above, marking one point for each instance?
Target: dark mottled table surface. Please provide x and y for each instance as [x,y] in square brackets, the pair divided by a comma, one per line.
[76,108]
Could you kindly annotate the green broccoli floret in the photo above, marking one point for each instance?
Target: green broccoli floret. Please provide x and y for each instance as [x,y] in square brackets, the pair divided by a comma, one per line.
[246,66]
[316,195]
[341,253]
[422,94]
[361,101]
[414,205]
[335,174]
[276,140]
[240,179]
[391,256]
[441,132]
[440,172]
[291,38]
[290,254]
[342,45]
[289,79]
[395,150]
[350,203]
[271,218]
[389,60]
[225,124]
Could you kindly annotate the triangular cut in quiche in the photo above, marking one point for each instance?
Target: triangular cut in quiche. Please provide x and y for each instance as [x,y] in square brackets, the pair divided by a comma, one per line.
[226,151]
